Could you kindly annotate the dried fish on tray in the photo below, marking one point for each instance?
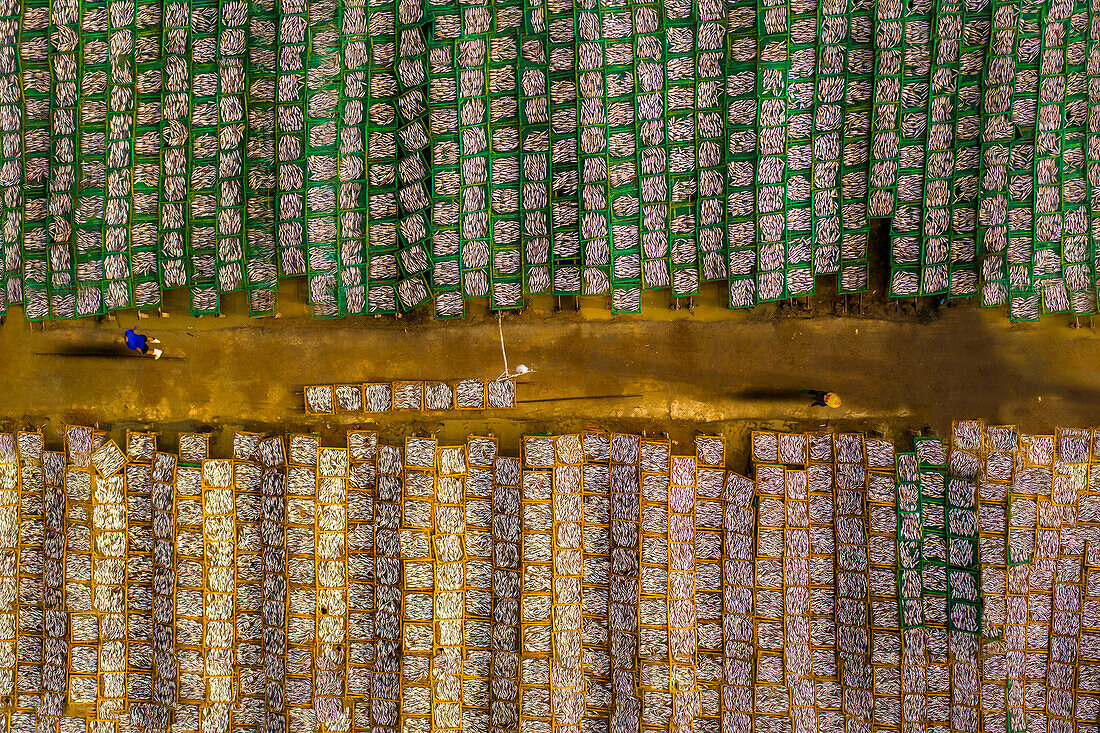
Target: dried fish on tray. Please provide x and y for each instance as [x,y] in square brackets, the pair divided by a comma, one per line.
[438,396]
[452,461]
[821,447]
[78,443]
[1073,446]
[967,434]
[625,448]
[194,447]
[362,445]
[304,450]
[654,456]
[333,463]
[319,400]
[420,452]
[849,448]
[108,460]
[880,454]
[930,452]
[999,466]
[272,452]
[501,393]
[765,447]
[792,448]
[408,395]
[470,394]
[965,464]
[141,446]
[770,550]
[742,292]
[710,450]
[1040,450]
[481,452]
[378,397]
[538,452]
[1002,437]
[349,398]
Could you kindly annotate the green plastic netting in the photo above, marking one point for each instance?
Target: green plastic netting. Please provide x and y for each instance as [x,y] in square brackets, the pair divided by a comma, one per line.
[413,153]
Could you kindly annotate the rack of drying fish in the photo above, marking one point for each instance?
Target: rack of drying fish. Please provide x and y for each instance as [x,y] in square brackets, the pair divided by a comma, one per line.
[402,396]
[596,581]
[401,154]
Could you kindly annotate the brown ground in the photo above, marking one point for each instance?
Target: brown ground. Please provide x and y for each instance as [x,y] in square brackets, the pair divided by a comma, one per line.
[898,366]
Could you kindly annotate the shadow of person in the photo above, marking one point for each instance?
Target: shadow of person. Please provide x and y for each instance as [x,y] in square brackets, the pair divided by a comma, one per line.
[110,351]
[778,394]
[770,395]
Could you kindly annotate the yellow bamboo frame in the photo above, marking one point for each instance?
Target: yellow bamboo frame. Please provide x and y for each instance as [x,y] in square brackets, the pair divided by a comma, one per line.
[9,546]
[107,553]
[418,635]
[535,631]
[566,677]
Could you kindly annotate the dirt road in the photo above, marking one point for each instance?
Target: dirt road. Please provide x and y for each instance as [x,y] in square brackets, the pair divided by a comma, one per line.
[709,369]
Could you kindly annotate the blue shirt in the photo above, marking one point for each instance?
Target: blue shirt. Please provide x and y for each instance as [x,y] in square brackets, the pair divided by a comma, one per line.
[136,341]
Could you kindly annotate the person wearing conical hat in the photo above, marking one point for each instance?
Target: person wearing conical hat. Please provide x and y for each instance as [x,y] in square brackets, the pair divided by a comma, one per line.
[823,398]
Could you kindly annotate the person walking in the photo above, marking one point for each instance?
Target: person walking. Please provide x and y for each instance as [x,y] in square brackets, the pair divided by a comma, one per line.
[822,398]
[139,342]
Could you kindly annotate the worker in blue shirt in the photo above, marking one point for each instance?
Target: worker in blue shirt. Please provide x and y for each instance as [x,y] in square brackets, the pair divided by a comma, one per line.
[138,342]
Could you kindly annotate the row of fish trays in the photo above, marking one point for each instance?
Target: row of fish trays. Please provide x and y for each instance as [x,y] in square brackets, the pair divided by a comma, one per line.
[403,396]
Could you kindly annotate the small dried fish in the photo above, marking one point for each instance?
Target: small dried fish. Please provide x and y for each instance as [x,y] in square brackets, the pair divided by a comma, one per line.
[470,394]
[349,398]
[319,400]
[378,397]
[501,394]
[408,395]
